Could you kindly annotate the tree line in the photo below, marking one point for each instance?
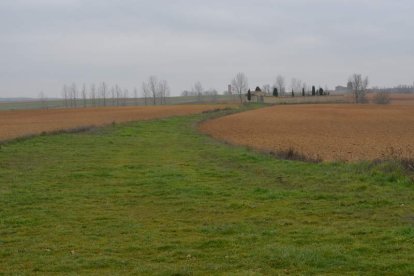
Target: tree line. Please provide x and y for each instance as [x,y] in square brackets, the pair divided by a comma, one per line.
[240,87]
[200,93]
[358,83]
[153,92]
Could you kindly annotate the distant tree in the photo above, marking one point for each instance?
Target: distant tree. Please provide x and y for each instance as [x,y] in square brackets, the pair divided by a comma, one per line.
[145,93]
[212,93]
[74,94]
[84,95]
[266,88]
[118,95]
[152,86]
[65,94]
[304,88]
[320,91]
[155,89]
[43,100]
[125,97]
[198,90]
[359,86]
[92,94]
[275,92]
[303,92]
[136,96]
[113,95]
[185,93]
[240,84]
[296,85]
[280,84]
[103,91]
[313,90]
[258,89]
[293,93]
[163,91]
[249,95]
[381,97]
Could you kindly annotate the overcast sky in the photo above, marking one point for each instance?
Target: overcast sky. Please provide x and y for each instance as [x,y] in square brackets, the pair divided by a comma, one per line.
[47,43]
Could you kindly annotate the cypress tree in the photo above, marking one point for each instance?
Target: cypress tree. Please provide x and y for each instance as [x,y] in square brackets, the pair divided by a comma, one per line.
[320,91]
[293,93]
[249,95]
[275,92]
[313,90]
[303,92]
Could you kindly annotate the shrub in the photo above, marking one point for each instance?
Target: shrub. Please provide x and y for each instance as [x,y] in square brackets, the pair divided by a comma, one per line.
[381,98]
[249,95]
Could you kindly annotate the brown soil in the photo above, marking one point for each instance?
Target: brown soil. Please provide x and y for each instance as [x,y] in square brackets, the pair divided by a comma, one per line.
[331,132]
[20,123]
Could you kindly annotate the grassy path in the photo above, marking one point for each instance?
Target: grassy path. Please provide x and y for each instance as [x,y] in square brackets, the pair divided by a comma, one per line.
[159,198]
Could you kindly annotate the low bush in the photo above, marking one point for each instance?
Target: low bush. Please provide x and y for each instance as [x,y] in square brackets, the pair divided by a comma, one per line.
[381,98]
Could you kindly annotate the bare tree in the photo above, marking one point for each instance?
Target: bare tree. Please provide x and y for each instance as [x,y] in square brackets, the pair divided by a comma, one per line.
[103,90]
[125,97]
[118,95]
[266,88]
[152,88]
[198,90]
[92,94]
[185,93]
[65,94]
[145,92]
[84,95]
[359,86]
[212,93]
[240,84]
[135,96]
[163,91]
[280,84]
[113,95]
[43,100]
[74,94]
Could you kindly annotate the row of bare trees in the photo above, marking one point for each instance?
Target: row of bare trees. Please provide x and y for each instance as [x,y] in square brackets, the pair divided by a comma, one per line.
[93,95]
[153,92]
[198,91]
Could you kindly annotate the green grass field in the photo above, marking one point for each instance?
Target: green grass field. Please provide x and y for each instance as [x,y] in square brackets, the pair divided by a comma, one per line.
[157,197]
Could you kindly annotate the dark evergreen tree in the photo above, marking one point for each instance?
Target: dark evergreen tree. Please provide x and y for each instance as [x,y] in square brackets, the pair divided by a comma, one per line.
[258,89]
[293,93]
[303,92]
[249,95]
[275,92]
[320,91]
[313,90]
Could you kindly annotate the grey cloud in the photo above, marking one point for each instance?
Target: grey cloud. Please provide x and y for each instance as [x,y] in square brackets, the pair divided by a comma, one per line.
[46,43]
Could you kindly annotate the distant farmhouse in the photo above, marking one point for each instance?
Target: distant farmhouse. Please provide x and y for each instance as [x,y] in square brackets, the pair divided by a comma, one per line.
[258,95]
[343,89]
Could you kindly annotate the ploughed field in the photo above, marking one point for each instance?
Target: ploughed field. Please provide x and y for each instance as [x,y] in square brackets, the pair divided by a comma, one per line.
[328,132]
[20,123]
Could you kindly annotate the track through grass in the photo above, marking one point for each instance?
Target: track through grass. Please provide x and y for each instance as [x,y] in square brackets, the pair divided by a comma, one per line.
[157,197]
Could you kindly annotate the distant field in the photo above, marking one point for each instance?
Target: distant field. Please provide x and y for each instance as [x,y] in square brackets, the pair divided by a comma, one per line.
[330,132]
[20,123]
[58,103]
